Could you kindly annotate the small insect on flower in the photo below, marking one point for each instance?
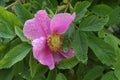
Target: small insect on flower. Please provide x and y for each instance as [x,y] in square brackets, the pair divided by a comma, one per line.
[46,35]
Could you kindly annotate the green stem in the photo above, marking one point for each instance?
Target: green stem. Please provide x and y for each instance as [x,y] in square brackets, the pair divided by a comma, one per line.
[11,4]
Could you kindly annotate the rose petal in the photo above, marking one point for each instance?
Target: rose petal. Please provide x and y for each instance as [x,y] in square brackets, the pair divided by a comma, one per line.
[68,54]
[42,53]
[57,57]
[32,29]
[38,26]
[61,22]
[43,20]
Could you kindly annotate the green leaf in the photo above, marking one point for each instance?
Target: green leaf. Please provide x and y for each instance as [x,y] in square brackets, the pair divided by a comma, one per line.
[7,23]
[6,74]
[15,55]
[68,38]
[81,71]
[61,7]
[60,76]
[9,18]
[102,9]
[69,33]
[36,69]
[80,9]
[104,51]
[109,76]
[109,38]
[2,2]
[5,31]
[52,75]
[93,23]
[3,49]
[20,34]
[114,14]
[68,63]
[112,3]
[80,46]
[117,64]
[117,73]
[18,68]
[94,73]
[22,13]
[6,46]
[14,43]
[54,3]
[33,66]
[114,17]
[65,1]
[114,42]
[51,13]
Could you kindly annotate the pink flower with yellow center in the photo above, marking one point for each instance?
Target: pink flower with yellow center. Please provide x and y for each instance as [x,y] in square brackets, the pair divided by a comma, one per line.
[46,36]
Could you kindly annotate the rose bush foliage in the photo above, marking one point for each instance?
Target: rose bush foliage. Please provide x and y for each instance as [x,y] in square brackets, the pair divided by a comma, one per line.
[92,33]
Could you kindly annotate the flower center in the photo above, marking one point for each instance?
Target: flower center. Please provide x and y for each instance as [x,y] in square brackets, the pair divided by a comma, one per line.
[54,42]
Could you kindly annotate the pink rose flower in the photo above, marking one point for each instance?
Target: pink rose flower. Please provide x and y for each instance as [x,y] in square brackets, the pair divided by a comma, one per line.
[46,36]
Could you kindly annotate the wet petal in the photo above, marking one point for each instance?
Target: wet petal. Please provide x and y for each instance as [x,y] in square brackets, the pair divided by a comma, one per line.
[32,29]
[61,22]
[68,54]
[43,20]
[42,53]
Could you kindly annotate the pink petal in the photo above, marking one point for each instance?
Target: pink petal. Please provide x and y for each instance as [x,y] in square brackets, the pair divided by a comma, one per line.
[43,20]
[61,22]
[38,26]
[42,53]
[68,54]
[58,57]
[32,29]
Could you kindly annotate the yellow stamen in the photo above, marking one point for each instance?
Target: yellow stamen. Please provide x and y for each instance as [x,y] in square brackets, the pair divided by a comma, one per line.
[54,42]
